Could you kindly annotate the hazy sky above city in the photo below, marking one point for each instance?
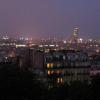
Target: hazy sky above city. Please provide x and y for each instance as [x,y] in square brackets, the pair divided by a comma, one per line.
[41,18]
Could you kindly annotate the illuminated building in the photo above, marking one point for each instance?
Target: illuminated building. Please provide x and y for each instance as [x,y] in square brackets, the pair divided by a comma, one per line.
[74,38]
[66,66]
[95,68]
[54,67]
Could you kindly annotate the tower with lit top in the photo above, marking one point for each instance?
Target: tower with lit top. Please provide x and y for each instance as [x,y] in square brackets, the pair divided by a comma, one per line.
[75,35]
[74,39]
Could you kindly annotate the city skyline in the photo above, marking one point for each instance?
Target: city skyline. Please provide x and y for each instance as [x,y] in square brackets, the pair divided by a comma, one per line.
[45,18]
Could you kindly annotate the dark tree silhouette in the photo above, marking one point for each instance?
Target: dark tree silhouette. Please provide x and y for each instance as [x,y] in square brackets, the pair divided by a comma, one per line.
[95,88]
[19,84]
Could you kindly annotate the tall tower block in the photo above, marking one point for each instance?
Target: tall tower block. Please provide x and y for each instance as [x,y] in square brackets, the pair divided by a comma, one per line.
[75,35]
[74,39]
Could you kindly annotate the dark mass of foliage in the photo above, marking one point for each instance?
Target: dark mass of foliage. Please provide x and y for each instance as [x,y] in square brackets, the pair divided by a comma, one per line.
[17,84]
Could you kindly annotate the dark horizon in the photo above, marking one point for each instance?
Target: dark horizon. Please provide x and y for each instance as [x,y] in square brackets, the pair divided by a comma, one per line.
[36,18]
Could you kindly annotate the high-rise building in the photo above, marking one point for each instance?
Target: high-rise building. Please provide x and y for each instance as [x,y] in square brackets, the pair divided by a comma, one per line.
[75,34]
[74,40]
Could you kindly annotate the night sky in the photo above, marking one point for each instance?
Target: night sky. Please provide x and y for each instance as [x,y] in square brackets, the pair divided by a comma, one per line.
[41,18]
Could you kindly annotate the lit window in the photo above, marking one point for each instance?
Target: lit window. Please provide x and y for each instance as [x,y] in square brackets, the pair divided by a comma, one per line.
[52,72]
[61,80]
[48,72]
[58,80]
[51,65]
[48,65]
